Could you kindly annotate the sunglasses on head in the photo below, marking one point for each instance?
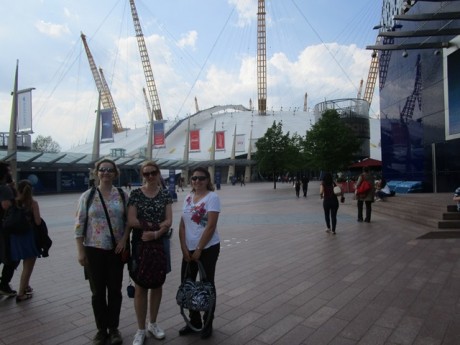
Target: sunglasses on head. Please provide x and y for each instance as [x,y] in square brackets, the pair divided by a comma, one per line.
[150,173]
[199,178]
[109,170]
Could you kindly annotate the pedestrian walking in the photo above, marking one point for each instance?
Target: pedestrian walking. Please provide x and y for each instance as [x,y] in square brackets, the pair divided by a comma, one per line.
[330,202]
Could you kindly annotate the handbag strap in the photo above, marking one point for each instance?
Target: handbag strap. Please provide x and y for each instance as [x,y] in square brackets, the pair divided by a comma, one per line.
[114,242]
[201,271]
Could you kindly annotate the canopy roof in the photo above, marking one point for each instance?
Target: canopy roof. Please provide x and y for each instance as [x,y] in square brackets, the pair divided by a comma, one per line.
[366,162]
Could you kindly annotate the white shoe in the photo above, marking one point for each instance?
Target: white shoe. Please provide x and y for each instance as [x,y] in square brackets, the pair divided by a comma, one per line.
[139,337]
[156,331]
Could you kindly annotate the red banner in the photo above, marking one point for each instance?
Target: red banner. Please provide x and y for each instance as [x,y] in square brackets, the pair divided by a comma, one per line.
[220,140]
[195,140]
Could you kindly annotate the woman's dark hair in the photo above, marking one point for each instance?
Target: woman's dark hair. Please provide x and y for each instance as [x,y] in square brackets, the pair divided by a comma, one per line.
[327,179]
[205,171]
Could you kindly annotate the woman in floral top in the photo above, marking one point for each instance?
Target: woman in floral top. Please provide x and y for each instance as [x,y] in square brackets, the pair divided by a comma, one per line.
[96,252]
[149,208]
[199,239]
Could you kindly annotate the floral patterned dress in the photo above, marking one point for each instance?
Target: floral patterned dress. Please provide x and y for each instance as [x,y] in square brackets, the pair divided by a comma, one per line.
[152,210]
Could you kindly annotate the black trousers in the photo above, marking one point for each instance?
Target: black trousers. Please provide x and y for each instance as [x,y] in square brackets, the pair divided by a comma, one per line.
[330,212]
[105,275]
[368,210]
[208,258]
[8,266]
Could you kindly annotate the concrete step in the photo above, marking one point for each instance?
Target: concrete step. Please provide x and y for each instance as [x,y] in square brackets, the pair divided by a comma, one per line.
[452,208]
[449,224]
[427,209]
[451,216]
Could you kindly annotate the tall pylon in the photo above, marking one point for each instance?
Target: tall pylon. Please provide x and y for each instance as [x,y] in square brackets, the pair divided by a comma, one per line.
[261,59]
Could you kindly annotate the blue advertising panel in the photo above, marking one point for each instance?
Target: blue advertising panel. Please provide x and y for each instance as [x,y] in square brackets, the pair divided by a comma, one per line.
[107,127]
[218,178]
[172,184]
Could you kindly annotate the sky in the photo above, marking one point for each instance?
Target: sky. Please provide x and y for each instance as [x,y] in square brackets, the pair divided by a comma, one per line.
[203,49]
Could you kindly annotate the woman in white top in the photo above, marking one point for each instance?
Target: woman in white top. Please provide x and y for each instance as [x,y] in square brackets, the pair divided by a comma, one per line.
[199,239]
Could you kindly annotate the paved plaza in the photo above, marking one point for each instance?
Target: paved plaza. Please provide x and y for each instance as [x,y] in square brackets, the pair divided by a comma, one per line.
[280,279]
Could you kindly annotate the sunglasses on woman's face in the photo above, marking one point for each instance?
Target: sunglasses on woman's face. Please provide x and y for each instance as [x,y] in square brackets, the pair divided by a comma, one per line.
[150,173]
[199,178]
[108,170]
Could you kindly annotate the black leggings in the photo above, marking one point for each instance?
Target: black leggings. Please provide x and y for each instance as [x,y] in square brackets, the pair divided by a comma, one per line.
[330,213]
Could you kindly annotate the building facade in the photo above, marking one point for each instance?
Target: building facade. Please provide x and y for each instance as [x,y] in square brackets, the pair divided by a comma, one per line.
[419,93]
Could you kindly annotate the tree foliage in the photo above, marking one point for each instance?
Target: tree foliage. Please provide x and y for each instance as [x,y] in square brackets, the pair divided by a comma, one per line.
[330,144]
[45,144]
[276,152]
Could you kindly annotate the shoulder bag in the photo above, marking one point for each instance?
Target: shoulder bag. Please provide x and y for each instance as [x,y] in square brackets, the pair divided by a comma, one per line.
[148,264]
[364,187]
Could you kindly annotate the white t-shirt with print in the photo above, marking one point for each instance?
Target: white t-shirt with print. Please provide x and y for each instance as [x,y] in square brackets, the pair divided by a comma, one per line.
[195,218]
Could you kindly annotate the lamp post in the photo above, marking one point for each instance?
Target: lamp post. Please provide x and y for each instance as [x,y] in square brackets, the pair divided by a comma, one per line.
[12,144]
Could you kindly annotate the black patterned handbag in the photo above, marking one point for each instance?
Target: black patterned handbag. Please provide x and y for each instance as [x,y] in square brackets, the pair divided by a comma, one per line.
[196,295]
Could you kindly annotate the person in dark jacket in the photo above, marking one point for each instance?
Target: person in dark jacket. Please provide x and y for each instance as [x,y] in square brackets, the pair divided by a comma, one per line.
[7,197]
[305,181]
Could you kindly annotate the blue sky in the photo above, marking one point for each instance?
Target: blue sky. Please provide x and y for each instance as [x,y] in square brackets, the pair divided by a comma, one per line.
[201,48]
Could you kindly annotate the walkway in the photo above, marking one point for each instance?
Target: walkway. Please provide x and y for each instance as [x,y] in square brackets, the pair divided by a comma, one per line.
[280,279]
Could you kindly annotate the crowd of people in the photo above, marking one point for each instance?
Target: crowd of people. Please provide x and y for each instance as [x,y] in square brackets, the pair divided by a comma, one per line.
[109,223]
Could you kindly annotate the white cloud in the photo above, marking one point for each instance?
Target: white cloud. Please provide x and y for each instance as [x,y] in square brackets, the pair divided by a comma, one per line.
[188,39]
[50,29]
[247,10]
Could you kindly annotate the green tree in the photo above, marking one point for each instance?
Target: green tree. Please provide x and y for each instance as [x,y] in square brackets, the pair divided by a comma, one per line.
[45,144]
[330,144]
[276,152]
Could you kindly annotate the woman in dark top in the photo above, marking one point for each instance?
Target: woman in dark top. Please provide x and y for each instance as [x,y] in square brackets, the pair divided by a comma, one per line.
[330,202]
[149,208]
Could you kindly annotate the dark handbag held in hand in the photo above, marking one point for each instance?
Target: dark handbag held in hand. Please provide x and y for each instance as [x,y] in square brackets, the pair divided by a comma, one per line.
[196,295]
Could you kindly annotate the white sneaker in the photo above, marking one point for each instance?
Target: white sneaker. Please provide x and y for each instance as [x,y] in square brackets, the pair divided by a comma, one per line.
[156,331]
[139,337]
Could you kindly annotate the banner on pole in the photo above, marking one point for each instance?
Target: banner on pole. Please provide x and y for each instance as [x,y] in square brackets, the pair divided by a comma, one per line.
[220,140]
[107,127]
[24,122]
[239,143]
[158,135]
[195,140]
